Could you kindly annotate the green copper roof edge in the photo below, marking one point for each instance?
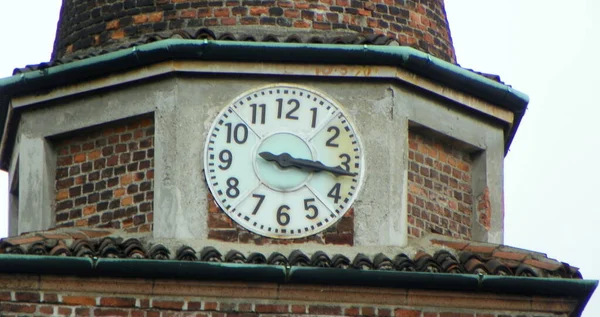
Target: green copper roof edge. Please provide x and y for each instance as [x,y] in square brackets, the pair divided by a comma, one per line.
[144,268]
[403,56]
[411,59]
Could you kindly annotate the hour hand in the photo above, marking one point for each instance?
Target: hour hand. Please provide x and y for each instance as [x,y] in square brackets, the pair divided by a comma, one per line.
[284,160]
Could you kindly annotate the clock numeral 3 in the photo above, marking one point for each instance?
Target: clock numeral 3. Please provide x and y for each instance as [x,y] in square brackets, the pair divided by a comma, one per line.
[232,190]
[336,133]
[283,218]
[335,192]
[346,162]
[290,113]
[240,133]
[260,201]
[263,110]
[226,158]
[314,208]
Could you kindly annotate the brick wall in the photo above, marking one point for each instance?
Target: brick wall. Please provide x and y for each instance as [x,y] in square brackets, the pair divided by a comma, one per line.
[223,228]
[104,177]
[439,188]
[102,23]
[98,300]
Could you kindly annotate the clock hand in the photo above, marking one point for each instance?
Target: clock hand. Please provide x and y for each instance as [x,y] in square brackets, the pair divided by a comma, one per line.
[284,160]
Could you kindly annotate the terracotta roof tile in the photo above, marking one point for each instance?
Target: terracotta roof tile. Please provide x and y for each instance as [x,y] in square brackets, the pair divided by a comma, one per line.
[517,256]
[435,255]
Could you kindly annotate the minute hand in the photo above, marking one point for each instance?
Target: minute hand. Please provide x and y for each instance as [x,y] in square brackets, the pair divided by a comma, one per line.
[285,160]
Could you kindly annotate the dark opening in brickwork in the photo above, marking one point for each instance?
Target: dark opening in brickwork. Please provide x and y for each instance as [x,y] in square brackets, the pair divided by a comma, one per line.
[223,228]
[439,188]
[105,177]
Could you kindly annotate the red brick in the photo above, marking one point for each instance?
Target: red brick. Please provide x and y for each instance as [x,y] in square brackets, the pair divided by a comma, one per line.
[298,309]
[258,10]
[267,308]
[50,298]
[65,311]
[17,308]
[324,310]
[46,310]
[4,296]
[79,300]
[367,311]
[188,14]
[210,305]
[117,301]
[78,158]
[222,12]
[352,311]
[399,312]
[167,304]
[140,18]
[228,21]
[82,311]
[155,16]
[100,312]
[384,312]
[111,25]
[219,221]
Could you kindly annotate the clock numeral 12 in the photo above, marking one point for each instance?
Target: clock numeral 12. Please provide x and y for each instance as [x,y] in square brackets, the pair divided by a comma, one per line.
[288,115]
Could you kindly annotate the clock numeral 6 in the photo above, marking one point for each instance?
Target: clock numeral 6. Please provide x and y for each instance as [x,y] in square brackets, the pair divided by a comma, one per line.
[226,158]
[283,218]
[335,192]
[314,208]
[240,133]
[232,190]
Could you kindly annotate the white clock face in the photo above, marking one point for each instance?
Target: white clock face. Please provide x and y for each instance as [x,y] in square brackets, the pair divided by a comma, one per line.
[283,161]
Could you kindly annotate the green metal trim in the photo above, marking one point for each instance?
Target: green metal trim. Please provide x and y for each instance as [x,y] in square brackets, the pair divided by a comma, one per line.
[581,290]
[178,49]
[193,270]
[31,264]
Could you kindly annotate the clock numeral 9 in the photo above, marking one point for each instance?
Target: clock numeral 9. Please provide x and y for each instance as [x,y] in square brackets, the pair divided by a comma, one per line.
[335,192]
[289,114]
[232,190]
[226,158]
[283,218]
[240,133]
[314,208]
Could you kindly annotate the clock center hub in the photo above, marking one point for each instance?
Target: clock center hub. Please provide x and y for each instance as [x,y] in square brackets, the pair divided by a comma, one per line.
[271,174]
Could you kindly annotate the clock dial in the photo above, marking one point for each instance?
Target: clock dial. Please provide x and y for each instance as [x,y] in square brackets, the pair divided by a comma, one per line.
[283,161]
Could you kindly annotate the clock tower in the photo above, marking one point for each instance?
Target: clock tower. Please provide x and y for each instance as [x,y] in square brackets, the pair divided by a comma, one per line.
[263,157]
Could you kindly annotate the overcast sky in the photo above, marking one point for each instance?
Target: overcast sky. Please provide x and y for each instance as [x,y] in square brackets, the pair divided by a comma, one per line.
[546,48]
